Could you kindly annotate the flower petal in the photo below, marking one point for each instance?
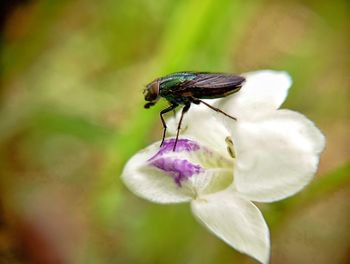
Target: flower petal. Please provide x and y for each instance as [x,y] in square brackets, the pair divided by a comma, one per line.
[276,155]
[236,221]
[262,92]
[151,183]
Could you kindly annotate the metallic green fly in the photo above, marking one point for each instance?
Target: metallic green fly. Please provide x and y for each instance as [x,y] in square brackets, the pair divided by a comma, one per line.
[184,88]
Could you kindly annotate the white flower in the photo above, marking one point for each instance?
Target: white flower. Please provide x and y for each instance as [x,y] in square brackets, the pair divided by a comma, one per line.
[221,166]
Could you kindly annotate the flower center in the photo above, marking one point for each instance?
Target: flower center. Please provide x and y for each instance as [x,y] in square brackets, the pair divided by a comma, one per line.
[178,168]
[212,170]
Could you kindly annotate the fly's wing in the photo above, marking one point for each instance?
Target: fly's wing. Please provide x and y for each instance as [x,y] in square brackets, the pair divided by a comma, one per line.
[211,85]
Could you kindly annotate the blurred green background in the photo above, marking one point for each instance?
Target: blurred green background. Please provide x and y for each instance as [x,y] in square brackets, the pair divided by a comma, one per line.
[72,75]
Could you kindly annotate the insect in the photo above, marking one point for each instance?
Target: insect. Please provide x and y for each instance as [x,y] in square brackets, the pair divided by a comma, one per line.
[185,88]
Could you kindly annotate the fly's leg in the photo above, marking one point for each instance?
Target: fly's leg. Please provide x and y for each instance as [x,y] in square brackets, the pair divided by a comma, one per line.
[164,111]
[198,101]
[184,110]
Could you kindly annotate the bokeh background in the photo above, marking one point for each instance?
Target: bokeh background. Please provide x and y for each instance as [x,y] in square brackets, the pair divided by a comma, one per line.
[72,75]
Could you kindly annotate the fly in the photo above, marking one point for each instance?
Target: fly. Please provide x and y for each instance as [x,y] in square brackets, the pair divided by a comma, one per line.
[185,88]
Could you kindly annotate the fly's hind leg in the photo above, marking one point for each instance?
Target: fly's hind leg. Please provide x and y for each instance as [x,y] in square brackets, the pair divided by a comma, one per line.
[198,101]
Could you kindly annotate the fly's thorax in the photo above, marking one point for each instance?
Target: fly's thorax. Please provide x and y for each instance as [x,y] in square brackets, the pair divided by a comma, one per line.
[175,79]
[175,99]
[172,83]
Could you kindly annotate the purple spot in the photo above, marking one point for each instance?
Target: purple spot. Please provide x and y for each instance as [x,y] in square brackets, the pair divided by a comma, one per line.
[179,169]
[182,145]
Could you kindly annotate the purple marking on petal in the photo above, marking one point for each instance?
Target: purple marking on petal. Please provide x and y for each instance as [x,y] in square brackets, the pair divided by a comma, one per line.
[179,169]
[182,145]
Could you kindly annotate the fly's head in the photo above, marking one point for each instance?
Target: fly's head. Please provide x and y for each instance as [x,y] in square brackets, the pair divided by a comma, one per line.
[152,93]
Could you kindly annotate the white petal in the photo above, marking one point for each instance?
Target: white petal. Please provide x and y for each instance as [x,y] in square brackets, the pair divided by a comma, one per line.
[201,124]
[151,183]
[262,92]
[236,221]
[276,155]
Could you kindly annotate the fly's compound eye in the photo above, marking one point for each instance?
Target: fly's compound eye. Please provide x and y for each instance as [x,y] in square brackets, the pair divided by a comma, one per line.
[152,91]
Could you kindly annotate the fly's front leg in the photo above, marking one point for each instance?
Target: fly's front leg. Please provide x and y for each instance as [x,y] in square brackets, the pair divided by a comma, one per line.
[184,110]
[198,101]
[164,111]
